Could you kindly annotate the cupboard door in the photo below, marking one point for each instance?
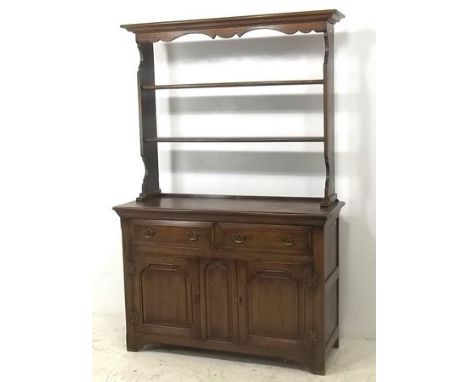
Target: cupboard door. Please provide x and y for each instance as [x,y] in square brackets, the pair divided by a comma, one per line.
[167,297]
[272,304]
[218,285]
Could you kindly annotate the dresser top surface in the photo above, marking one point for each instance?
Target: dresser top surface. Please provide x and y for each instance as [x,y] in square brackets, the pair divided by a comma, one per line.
[305,207]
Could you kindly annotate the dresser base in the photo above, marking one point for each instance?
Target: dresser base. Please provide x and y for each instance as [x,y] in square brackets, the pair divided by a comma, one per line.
[253,276]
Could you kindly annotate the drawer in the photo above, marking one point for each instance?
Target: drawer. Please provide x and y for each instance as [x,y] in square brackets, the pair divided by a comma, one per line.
[172,233]
[281,238]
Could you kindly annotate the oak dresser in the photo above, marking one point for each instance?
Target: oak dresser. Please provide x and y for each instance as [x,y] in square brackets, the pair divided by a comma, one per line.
[244,274]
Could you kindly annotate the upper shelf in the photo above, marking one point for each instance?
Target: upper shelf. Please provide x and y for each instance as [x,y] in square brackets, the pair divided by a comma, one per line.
[232,84]
[227,27]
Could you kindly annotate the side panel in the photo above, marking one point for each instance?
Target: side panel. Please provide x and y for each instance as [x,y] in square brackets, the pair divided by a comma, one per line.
[331,287]
[331,248]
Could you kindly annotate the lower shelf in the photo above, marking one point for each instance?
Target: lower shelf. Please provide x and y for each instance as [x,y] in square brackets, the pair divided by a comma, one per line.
[235,139]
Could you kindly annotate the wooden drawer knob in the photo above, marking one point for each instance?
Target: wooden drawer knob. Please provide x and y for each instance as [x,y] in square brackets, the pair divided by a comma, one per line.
[148,232]
[288,241]
[193,236]
[239,238]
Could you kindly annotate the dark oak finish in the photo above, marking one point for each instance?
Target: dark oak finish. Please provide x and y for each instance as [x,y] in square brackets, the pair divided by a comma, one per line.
[147,34]
[147,107]
[235,139]
[227,27]
[233,84]
[252,275]
[328,117]
[218,283]
[278,238]
[272,314]
[278,208]
[187,234]
[246,274]
[166,294]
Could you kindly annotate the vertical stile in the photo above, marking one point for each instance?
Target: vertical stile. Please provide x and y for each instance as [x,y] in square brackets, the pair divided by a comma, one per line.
[328,118]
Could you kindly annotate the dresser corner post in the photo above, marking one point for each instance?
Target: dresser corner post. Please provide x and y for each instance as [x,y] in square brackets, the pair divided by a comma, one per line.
[129,274]
[336,344]
[132,343]
[331,284]
[317,363]
[148,126]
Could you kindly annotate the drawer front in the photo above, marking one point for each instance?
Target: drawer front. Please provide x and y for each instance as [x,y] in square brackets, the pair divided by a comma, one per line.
[263,237]
[173,233]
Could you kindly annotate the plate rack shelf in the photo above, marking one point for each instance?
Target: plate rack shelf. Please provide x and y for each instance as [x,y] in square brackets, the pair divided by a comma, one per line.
[149,33]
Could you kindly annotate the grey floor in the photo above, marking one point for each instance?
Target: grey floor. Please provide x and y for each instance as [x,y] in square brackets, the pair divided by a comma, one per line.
[354,361]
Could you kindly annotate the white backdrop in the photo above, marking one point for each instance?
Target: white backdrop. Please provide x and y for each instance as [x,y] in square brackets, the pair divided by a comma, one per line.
[267,169]
[69,151]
